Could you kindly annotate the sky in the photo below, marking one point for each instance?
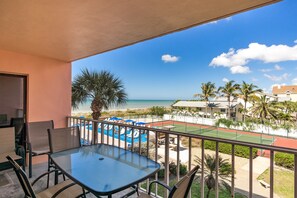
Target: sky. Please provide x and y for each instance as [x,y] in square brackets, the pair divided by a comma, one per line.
[258,46]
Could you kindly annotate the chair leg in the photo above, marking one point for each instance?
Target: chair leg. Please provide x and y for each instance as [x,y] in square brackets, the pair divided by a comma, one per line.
[30,163]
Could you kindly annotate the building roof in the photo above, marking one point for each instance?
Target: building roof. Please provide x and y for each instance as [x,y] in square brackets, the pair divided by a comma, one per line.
[202,104]
[69,30]
[292,89]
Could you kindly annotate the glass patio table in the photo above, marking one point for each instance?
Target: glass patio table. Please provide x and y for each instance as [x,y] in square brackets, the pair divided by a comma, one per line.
[104,169]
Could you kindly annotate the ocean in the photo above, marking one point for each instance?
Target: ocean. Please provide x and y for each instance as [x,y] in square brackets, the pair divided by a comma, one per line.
[131,104]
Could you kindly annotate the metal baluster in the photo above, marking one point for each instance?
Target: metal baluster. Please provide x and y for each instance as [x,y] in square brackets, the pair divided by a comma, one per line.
[119,136]
[202,169]
[113,126]
[217,170]
[156,159]
[132,144]
[177,157]
[233,170]
[102,132]
[190,161]
[271,173]
[251,173]
[166,178]
[139,141]
[295,175]
[84,136]
[107,134]
[125,138]
[147,154]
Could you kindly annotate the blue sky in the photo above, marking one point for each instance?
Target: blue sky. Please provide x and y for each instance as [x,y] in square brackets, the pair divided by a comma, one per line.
[259,46]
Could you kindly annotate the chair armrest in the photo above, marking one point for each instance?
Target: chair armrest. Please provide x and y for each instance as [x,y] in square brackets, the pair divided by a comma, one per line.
[160,183]
[44,174]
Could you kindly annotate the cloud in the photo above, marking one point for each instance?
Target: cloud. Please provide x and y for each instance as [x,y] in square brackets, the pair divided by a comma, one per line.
[167,58]
[277,78]
[278,68]
[225,19]
[294,81]
[265,70]
[240,70]
[255,79]
[225,80]
[295,41]
[277,85]
[255,51]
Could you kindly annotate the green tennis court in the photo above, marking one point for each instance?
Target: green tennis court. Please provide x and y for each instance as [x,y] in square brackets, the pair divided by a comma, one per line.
[215,132]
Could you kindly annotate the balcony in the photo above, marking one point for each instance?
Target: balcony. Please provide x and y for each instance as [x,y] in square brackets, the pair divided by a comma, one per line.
[167,146]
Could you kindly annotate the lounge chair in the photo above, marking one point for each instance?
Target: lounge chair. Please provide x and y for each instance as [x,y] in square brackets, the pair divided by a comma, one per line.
[64,189]
[180,189]
[37,140]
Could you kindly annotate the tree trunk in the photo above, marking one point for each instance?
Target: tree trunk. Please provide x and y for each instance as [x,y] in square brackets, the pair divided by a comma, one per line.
[244,110]
[96,108]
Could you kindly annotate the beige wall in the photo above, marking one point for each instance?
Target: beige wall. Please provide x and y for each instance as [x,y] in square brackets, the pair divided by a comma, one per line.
[49,85]
[11,95]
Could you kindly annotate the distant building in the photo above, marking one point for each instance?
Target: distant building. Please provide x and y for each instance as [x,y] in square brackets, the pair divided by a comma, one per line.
[219,106]
[285,93]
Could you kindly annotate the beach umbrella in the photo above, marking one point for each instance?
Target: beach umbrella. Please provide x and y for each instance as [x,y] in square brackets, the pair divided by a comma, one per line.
[130,121]
[140,123]
[115,118]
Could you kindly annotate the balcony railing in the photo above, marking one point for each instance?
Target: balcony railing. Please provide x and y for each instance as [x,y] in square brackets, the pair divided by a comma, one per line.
[151,147]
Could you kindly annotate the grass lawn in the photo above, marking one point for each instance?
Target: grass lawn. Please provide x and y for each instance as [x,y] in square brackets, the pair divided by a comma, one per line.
[224,193]
[283,181]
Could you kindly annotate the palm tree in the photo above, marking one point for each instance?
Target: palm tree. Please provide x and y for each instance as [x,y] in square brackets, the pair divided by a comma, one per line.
[229,90]
[208,91]
[224,171]
[103,88]
[264,109]
[246,90]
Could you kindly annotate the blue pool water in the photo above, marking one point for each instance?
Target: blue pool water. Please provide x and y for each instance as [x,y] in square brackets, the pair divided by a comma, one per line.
[122,137]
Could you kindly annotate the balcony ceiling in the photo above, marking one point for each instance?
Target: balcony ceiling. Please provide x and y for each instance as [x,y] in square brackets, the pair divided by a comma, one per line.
[69,30]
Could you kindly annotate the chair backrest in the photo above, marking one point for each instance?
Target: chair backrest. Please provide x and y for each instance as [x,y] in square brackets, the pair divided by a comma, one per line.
[64,138]
[18,124]
[23,179]
[7,139]
[37,134]
[182,188]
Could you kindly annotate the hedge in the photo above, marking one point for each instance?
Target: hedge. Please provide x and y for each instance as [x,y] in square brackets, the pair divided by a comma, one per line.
[240,151]
[285,160]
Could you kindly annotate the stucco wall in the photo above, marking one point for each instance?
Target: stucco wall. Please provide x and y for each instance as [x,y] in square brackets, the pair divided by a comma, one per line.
[49,85]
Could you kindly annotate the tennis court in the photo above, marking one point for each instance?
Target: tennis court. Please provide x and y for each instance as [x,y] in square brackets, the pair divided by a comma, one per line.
[213,131]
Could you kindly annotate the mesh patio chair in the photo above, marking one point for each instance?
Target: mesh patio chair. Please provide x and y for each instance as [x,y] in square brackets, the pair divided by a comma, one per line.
[64,138]
[180,189]
[37,140]
[64,189]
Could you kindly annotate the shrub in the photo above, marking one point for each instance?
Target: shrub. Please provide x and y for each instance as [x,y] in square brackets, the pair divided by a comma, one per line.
[285,160]
[240,151]
[173,167]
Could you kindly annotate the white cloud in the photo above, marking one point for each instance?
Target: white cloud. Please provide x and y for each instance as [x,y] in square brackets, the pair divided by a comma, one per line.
[225,19]
[278,68]
[295,41]
[167,58]
[294,81]
[240,69]
[277,85]
[255,51]
[225,80]
[277,78]
[265,70]
[255,79]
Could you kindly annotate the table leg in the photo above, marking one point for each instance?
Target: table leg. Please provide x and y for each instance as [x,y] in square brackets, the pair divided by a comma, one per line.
[56,177]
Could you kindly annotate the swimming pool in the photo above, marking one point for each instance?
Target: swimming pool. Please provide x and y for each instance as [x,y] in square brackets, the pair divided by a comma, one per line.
[108,132]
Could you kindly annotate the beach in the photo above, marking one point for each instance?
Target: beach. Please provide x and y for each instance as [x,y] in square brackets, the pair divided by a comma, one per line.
[130,105]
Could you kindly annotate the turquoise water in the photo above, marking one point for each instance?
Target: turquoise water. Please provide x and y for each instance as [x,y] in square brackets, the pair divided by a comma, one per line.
[122,137]
[131,104]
